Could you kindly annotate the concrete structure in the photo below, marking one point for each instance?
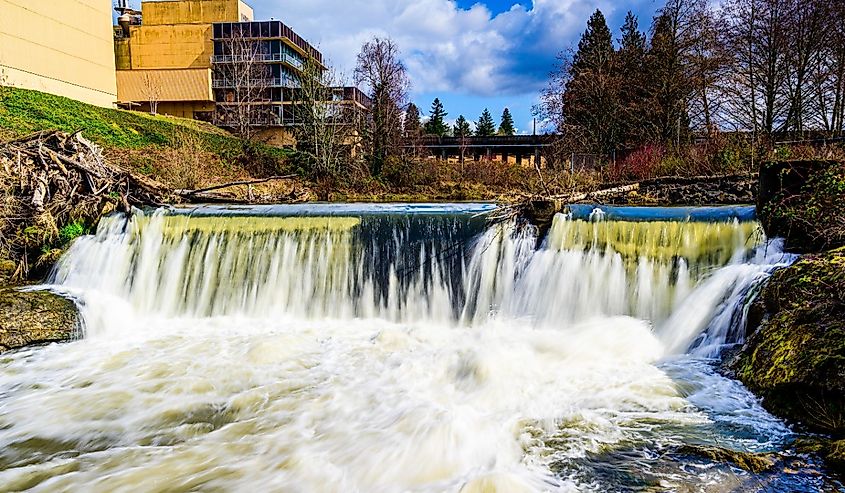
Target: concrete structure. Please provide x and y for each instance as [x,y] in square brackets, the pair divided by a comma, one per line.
[185,93]
[62,47]
[189,57]
[163,54]
[174,34]
[525,149]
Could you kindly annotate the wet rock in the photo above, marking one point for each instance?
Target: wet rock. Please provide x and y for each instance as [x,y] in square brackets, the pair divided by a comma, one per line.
[721,190]
[832,451]
[796,359]
[835,456]
[749,461]
[37,317]
[7,271]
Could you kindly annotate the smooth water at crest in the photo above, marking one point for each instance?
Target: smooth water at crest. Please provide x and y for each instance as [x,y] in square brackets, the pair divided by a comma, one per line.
[395,348]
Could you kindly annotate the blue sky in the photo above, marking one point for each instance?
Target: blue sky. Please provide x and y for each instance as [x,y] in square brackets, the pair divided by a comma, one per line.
[470,54]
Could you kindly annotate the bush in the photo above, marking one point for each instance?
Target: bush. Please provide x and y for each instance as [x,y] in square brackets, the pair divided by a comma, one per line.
[71,232]
[643,163]
[802,202]
[404,172]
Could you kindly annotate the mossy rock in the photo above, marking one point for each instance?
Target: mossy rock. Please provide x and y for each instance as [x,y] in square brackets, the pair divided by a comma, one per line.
[35,317]
[7,271]
[835,456]
[796,359]
[749,461]
[802,201]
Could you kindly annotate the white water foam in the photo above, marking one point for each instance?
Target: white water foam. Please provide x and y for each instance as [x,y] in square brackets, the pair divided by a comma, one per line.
[219,360]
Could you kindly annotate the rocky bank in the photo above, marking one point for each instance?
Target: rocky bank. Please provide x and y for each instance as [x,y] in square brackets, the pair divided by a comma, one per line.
[35,317]
[794,357]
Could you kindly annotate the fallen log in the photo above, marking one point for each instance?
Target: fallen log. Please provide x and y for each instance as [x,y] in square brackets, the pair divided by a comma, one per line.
[189,193]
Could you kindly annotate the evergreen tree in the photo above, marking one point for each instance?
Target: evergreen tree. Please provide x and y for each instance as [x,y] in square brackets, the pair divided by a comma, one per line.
[591,102]
[595,49]
[668,85]
[631,68]
[485,126]
[436,125]
[462,128]
[412,125]
[506,127]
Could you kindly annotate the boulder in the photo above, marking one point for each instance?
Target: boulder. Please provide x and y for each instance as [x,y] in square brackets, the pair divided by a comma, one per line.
[35,317]
[796,359]
[749,461]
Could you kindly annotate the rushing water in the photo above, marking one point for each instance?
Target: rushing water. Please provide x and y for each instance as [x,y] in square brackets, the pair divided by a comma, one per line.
[395,348]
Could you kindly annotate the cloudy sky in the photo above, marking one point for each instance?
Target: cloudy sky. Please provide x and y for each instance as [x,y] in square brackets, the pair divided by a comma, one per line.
[471,54]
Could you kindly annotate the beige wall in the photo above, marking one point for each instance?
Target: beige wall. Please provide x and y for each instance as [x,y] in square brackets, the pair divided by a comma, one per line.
[176,33]
[63,47]
[162,12]
[165,46]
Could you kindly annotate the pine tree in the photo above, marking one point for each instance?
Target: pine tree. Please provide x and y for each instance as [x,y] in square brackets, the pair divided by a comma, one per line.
[633,40]
[591,103]
[485,126]
[412,125]
[436,125]
[595,49]
[668,86]
[631,68]
[462,128]
[506,127]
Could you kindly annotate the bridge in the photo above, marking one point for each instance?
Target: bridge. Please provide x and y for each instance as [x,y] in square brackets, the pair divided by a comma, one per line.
[503,146]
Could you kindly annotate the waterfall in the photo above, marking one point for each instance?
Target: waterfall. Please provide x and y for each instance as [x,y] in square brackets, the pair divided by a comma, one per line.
[689,279]
[393,348]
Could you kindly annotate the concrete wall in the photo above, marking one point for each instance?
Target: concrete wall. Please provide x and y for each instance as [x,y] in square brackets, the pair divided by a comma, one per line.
[176,33]
[158,13]
[165,46]
[62,47]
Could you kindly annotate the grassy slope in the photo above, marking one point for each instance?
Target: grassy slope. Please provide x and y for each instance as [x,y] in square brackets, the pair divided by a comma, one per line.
[23,111]
[148,144]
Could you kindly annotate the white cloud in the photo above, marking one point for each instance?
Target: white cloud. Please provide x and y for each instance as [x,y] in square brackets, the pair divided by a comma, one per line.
[445,48]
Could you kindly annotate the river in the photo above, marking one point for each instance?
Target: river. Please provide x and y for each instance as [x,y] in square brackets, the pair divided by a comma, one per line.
[395,348]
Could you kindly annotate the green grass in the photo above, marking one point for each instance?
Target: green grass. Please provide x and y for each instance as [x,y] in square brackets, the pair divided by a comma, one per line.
[24,111]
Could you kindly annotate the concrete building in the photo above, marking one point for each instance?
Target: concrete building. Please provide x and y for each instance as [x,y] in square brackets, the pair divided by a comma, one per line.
[209,60]
[62,47]
[163,54]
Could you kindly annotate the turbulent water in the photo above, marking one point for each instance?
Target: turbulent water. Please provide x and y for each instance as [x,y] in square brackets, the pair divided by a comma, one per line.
[394,348]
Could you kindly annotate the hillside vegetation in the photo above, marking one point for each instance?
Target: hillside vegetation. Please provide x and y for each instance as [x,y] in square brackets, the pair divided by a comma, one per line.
[179,152]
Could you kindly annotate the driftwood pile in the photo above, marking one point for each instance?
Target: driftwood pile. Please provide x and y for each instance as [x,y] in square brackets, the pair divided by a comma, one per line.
[50,179]
[58,171]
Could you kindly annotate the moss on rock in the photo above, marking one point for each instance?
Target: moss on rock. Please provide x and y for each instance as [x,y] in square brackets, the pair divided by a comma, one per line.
[749,461]
[35,317]
[796,359]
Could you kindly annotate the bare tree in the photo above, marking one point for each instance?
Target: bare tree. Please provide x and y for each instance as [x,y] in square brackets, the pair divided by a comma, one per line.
[326,129]
[825,94]
[245,81]
[707,62]
[152,91]
[382,73]
[804,23]
[756,33]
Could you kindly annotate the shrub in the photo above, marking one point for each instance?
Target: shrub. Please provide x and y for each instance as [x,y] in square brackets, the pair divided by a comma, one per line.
[642,163]
[404,172]
[71,232]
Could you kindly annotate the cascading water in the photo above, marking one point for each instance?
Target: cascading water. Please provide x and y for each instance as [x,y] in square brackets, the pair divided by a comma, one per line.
[391,349]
